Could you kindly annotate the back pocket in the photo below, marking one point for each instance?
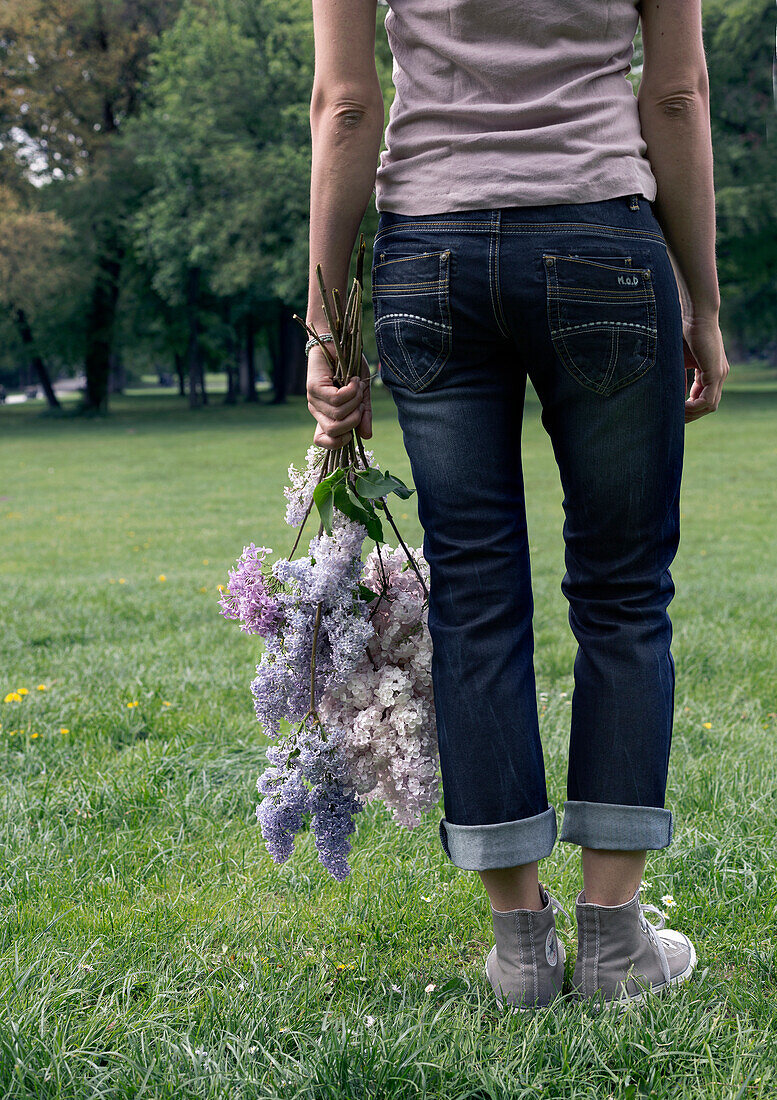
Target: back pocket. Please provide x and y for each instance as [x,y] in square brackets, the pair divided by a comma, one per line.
[602,317]
[410,296]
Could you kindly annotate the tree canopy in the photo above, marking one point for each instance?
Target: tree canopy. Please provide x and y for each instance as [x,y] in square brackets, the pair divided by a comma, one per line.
[168,142]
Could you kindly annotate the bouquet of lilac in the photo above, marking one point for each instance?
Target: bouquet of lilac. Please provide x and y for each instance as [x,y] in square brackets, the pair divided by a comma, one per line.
[347,660]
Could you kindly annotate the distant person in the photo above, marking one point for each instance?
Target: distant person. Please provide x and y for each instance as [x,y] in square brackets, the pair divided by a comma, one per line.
[2,394]
[527,206]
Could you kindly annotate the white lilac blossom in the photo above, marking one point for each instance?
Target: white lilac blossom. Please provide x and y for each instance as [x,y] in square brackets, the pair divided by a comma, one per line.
[299,493]
[386,706]
[369,731]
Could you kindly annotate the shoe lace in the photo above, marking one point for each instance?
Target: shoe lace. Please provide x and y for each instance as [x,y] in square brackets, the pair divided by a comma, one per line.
[645,907]
[558,906]
[652,930]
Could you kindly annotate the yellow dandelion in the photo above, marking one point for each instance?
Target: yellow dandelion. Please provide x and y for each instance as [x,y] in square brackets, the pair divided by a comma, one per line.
[64,729]
[42,687]
[206,561]
[161,577]
[707,725]
[122,580]
[111,581]
[33,735]
[203,588]
[165,704]
[11,733]
[13,697]
[22,691]
[220,587]
[134,703]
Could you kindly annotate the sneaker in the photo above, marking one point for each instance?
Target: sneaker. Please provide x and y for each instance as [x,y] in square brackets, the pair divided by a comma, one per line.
[624,957]
[525,967]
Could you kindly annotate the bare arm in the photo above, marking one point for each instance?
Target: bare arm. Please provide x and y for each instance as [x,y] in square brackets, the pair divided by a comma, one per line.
[346,122]
[673,105]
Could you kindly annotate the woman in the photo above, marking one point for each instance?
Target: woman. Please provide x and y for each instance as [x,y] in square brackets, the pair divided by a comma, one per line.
[536,219]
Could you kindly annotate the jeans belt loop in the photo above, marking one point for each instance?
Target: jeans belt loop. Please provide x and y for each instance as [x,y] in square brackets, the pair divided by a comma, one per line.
[634,202]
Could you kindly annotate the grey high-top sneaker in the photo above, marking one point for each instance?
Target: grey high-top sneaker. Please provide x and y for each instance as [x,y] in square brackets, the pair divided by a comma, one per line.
[625,956]
[526,964]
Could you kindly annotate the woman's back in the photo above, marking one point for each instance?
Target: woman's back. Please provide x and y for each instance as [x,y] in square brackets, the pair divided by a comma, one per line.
[513,102]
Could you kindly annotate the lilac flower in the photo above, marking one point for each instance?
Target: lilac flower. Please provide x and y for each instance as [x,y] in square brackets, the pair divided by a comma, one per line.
[333,807]
[368,732]
[281,811]
[246,597]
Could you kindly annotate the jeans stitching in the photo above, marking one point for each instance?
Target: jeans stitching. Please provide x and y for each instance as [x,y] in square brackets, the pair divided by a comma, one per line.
[587,294]
[528,228]
[493,278]
[412,379]
[403,259]
[407,287]
[411,369]
[558,331]
[412,317]
[606,324]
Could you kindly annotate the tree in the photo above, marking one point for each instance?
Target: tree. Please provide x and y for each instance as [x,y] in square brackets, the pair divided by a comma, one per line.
[226,139]
[30,241]
[739,42]
[73,72]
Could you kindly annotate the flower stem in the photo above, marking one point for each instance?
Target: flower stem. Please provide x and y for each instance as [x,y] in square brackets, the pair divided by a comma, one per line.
[312,711]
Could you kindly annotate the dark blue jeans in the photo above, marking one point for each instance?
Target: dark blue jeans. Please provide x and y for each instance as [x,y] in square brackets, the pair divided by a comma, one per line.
[582,299]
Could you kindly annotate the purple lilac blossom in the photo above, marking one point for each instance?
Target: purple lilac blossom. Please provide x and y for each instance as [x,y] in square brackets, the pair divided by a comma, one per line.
[333,808]
[246,598]
[281,812]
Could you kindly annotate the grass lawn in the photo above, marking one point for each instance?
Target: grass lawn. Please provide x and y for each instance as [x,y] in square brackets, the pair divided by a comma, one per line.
[150,948]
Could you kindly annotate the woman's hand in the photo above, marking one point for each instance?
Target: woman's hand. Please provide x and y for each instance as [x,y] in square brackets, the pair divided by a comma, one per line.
[706,356]
[337,409]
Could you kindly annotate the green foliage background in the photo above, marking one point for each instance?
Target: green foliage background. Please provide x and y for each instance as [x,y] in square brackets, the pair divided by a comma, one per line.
[192,151]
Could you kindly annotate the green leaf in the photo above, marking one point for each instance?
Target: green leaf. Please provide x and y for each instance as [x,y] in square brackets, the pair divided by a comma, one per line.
[356,509]
[402,490]
[349,504]
[372,484]
[323,497]
[367,594]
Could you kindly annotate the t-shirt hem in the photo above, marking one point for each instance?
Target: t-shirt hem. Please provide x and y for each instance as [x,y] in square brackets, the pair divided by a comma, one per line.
[399,200]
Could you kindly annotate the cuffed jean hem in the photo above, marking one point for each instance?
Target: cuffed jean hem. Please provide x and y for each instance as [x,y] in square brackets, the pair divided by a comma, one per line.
[505,844]
[620,828]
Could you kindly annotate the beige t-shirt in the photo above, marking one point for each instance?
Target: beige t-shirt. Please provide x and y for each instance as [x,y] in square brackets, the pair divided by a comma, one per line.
[511,103]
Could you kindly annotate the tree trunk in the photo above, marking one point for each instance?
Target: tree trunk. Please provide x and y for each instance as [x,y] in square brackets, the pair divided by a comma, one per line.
[25,333]
[100,322]
[180,373]
[248,364]
[194,352]
[117,379]
[289,364]
[230,397]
